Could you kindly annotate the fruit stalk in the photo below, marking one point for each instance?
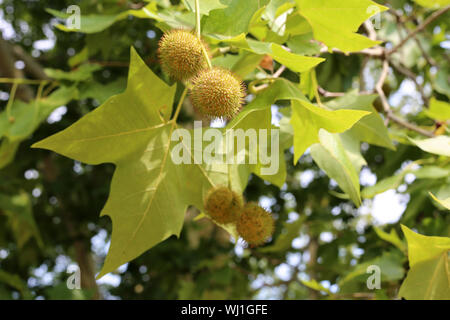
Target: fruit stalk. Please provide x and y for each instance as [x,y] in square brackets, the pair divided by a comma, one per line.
[180,104]
[199,33]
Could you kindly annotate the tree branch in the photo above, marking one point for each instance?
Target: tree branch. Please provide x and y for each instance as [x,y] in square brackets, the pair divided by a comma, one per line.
[421,27]
[31,66]
[8,69]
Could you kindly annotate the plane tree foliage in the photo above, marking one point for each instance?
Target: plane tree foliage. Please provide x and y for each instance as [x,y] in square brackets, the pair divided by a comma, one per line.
[359,91]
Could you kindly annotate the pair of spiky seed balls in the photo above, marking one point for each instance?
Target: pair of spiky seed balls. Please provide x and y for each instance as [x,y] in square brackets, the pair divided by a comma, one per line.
[216,92]
[253,223]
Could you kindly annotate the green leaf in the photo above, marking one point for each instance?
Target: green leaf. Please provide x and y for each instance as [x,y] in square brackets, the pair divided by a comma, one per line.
[335,22]
[295,62]
[307,119]
[101,92]
[433,3]
[83,73]
[422,248]
[332,158]
[439,145]
[232,20]
[94,23]
[88,23]
[242,64]
[205,5]
[352,147]
[27,117]
[149,193]
[431,172]
[429,274]
[439,110]
[302,44]
[390,264]
[7,151]
[441,83]
[443,202]
[19,211]
[391,237]
[257,119]
[313,284]
[386,184]
[371,128]
[16,282]
[428,280]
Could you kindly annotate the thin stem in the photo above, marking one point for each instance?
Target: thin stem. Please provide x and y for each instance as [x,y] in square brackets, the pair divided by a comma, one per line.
[197,15]
[21,81]
[10,102]
[208,61]
[36,101]
[199,32]
[180,104]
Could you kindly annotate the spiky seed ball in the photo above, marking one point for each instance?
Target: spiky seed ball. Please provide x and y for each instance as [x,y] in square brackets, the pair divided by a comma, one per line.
[217,93]
[255,225]
[223,205]
[181,55]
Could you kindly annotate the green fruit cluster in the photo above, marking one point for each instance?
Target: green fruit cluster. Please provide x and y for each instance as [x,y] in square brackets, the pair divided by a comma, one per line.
[253,223]
[181,55]
[223,205]
[215,92]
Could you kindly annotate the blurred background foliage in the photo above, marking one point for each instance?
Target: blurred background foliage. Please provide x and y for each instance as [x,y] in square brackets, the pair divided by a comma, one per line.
[49,204]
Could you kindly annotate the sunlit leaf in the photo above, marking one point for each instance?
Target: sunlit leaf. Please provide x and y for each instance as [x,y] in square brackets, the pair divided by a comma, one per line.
[335,22]
[429,274]
[438,145]
[332,158]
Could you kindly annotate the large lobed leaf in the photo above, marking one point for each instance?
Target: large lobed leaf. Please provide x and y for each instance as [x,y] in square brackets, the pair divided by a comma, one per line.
[149,193]
[429,274]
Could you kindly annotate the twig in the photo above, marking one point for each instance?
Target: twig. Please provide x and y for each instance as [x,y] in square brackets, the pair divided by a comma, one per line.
[329,94]
[387,109]
[8,69]
[31,66]
[421,27]
[276,75]
[429,59]
[376,52]
[408,125]
[409,74]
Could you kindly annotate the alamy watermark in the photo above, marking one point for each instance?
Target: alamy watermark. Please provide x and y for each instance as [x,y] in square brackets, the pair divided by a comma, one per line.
[73,22]
[74,280]
[374,280]
[232,146]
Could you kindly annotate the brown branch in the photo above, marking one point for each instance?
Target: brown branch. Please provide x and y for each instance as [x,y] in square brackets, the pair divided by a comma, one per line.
[329,94]
[420,28]
[387,109]
[376,52]
[31,66]
[411,75]
[313,248]
[8,69]
[82,255]
[276,75]
[409,126]
[401,21]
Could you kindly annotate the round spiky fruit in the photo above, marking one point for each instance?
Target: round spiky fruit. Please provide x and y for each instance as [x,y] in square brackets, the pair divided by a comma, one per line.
[223,205]
[217,93]
[255,225]
[181,55]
